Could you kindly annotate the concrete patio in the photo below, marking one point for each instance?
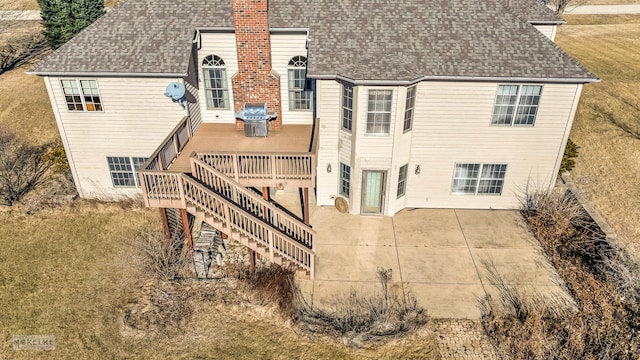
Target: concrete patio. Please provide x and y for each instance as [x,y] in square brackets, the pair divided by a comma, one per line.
[439,255]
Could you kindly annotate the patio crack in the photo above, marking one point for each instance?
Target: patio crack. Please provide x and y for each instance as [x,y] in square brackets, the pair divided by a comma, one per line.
[473,260]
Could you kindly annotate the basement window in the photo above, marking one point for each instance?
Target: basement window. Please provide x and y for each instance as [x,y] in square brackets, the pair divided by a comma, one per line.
[478,179]
[124,170]
[81,95]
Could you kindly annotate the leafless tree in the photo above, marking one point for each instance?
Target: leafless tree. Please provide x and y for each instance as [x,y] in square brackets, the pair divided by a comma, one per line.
[23,167]
[559,6]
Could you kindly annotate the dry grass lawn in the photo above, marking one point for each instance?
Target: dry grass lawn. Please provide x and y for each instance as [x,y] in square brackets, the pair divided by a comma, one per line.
[607,126]
[68,273]
[25,108]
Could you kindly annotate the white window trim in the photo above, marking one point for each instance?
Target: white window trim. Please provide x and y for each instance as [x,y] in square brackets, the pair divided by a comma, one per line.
[402,181]
[348,180]
[205,69]
[411,108]
[391,110]
[478,179]
[135,172]
[82,100]
[343,107]
[291,90]
[516,105]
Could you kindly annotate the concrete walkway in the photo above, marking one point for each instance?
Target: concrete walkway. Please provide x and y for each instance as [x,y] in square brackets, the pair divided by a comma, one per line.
[438,255]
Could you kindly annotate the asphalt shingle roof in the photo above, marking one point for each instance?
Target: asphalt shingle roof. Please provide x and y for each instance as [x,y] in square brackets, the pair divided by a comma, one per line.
[376,40]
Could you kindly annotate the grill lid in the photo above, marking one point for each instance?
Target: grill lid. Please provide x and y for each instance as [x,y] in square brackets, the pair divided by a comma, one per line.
[255,112]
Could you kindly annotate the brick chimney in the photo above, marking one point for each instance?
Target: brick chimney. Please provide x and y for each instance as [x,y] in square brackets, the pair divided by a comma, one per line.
[254,82]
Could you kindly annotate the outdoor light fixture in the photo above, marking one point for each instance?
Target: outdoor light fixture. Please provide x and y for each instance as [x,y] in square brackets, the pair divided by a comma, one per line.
[417,170]
[328,168]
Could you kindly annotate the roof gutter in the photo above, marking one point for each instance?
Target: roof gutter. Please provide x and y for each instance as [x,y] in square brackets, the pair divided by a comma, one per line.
[454,78]
[108,74]
[215,29]
[547,22]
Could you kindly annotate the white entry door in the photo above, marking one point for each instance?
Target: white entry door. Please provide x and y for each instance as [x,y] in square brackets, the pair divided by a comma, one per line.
[372,191]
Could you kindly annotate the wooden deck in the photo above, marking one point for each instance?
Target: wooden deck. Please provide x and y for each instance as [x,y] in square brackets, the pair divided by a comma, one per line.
[225,138]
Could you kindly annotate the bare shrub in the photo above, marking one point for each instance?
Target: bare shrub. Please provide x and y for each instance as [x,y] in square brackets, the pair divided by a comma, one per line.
[162,308]
[357,318]
[275,284]
[23,167]
[354,318]
[597,274]
[161,257]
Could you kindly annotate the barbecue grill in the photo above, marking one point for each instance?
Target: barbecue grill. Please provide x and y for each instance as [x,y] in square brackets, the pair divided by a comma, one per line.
[256,119]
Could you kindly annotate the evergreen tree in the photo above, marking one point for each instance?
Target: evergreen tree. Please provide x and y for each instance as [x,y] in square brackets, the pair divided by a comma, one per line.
[62,19]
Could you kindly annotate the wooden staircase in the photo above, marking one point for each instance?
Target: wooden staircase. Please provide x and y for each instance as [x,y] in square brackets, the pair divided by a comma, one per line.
[236,211]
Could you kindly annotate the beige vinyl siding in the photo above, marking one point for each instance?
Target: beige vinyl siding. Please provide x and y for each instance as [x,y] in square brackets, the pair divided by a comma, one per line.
[401,155]
[328,153]
[136,118]
[548,30]
[224,46]
[285,46]
[372,151]
[452,125]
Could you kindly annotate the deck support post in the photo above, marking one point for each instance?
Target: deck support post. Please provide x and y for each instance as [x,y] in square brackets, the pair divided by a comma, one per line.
[305,205]
[165,222]
[186,228]
[252,260]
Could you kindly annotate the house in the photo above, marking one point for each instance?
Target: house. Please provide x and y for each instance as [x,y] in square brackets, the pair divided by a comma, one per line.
[386,105]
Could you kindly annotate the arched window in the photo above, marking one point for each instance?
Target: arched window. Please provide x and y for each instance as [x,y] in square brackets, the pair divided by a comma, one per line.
[300,94]
[216,88]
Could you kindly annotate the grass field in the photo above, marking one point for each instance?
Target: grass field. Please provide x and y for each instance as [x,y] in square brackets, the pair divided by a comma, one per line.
[607,126]
[67,273]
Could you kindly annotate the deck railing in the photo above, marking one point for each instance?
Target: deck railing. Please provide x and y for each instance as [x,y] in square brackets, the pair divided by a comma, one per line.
[170,148]
[252,203]
[264,169]
[235,220]
[217,189]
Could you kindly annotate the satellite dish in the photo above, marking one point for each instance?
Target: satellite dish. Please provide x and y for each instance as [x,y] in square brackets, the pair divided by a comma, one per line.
[176,91]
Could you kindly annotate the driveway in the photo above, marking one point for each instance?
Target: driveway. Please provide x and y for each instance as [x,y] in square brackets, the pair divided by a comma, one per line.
[439,255]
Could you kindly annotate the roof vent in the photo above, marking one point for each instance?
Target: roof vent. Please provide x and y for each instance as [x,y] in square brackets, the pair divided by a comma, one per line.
[176,91]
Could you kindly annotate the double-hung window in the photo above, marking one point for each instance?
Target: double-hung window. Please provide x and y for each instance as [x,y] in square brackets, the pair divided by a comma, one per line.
[216,87]
[516,105]
[124,170]
[345,179]
[402,181]
[478,179]
[409,108]
[379,112]
[300,94]
[81,95]
[347,107]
